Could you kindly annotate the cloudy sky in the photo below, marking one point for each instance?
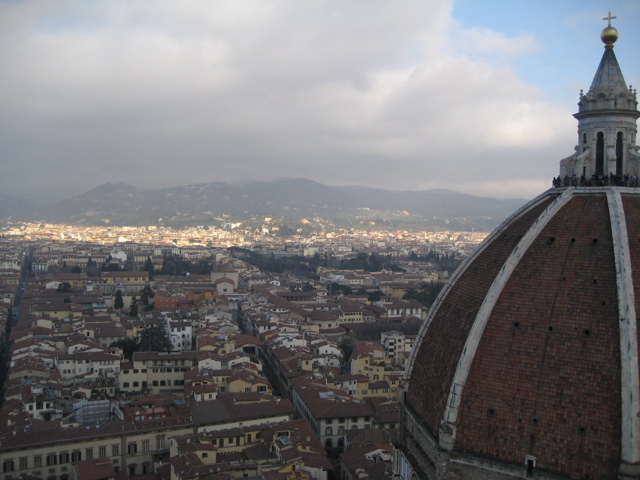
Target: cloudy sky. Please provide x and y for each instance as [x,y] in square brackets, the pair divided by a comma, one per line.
[470,95]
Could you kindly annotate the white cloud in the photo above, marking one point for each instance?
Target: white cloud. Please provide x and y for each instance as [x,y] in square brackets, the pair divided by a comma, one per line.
[166,93]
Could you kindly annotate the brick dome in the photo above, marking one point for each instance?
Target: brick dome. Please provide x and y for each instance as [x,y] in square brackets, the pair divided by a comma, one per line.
[528,361]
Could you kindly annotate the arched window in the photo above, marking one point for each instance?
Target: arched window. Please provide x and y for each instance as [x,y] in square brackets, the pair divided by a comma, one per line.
[600,154]
[619,144]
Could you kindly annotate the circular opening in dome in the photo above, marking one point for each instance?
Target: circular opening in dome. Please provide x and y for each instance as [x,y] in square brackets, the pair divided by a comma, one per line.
[582,430]
[586,332]
[550,328]
[534,421]
[551,240]
[595,280]
[491,412]
[573,240]
[594,241]
[516,324]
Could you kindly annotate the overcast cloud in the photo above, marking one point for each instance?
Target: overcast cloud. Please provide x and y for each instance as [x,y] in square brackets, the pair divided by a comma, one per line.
[164,93]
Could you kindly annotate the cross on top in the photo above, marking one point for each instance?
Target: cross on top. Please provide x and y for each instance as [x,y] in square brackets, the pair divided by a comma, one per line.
[609,18]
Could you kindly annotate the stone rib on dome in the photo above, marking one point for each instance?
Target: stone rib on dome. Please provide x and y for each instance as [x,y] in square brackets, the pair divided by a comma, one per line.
[539,329]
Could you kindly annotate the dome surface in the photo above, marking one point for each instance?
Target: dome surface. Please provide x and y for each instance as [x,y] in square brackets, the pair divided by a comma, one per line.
[528,360]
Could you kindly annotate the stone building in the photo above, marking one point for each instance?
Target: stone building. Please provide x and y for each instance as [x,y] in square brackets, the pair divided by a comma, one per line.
[527,366]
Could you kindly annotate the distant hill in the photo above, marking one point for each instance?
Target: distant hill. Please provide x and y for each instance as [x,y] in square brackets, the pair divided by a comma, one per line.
[12,209]
[292,199]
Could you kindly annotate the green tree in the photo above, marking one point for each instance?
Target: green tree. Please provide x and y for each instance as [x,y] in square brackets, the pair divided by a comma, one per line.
[76,269]
[92,268]
[128,347]
[64,287]
[335,288]
[118,303]
[148,267]
[426,294]
[146,294]
[155,339]
[134,307]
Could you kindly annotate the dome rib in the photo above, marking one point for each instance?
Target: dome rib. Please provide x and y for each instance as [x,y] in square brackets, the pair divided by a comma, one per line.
[480,322]
[630,377]
[543,197]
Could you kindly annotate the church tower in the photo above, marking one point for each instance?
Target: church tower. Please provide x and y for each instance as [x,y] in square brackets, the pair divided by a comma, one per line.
[606,116]
[527,364]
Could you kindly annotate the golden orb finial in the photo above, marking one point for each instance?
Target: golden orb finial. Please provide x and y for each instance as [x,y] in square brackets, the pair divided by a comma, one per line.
[609,35]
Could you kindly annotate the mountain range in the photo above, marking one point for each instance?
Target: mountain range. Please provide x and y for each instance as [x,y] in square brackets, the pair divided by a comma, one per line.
[286,199]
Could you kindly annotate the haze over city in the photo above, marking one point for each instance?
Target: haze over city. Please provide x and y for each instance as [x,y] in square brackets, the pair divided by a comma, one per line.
[470,96]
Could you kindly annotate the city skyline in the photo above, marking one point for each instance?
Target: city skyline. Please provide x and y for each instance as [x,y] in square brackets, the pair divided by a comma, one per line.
[451,95]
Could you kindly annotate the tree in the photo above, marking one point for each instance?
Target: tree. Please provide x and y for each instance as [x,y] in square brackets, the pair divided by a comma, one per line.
[134,307]
[375,296]
[335,288]
[64,287]
[118,303]
[155,339]
[148,267]
[92,268]
[128,347]
[76,269]
[146,293]
[427,293]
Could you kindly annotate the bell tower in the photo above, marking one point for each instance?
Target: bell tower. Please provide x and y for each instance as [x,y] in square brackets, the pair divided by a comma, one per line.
[607,130]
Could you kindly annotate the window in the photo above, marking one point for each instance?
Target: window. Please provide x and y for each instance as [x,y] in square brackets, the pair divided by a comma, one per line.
[328,431]
[52,459]
[329,421]
[37,462]
[88,453]
[160,442]
[115,450]
[205,455]
[102,452]
[328,443]
[23,463]
[145,445]
[76,456]
[132,448]
[125,385]
[7,466]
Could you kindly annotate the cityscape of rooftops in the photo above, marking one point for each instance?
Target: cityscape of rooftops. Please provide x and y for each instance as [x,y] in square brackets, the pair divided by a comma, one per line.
[231,233]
